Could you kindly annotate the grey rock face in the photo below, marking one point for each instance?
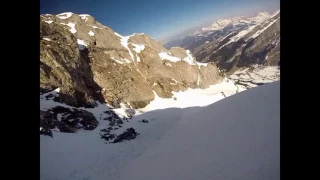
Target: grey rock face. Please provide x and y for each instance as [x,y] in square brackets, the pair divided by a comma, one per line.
[63,66]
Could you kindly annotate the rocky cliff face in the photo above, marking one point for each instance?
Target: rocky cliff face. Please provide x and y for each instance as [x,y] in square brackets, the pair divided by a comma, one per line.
[90,62]
[63,66]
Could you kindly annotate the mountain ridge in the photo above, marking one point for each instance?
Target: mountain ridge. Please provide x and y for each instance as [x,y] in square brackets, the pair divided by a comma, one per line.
[124,69]
[240,21]
[256,44]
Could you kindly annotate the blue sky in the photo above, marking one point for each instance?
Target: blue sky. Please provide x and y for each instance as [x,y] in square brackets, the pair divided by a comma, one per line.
[159,19]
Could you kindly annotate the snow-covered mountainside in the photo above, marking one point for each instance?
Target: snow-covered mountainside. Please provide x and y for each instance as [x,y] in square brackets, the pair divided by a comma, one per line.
[216,30]
[222,23]
[186,137]
[240,43]
[242,48]
[257,44]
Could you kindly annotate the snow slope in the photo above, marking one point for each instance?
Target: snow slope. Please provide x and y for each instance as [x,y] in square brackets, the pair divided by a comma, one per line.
[85,155]
[175,131]
[195,97]
[235,138]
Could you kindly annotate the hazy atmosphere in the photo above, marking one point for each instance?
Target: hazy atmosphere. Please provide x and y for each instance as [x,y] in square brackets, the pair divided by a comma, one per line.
[159,19]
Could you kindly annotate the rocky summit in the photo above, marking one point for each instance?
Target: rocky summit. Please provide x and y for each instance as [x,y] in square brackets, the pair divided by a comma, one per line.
[89,62]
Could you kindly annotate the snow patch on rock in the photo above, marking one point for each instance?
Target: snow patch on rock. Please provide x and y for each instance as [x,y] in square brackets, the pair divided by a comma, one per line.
[91,33]
[65,15]
[84,16]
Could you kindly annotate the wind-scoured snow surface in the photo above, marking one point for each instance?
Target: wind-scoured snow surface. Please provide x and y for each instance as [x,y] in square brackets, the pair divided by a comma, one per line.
[236,138]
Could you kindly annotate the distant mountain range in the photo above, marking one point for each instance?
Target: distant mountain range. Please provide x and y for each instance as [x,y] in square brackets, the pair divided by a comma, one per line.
[217,29]
[236,42]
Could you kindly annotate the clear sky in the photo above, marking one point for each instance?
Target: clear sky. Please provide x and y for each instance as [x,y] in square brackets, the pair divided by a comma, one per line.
[159,19]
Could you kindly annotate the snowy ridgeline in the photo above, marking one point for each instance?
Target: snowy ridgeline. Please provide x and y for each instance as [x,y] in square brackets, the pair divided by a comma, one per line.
[235,137]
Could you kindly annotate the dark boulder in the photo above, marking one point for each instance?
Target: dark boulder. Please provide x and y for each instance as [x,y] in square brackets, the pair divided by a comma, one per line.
[129,134]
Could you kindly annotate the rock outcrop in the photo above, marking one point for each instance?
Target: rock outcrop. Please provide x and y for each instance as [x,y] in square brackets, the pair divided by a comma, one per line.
[67,120]
[90,62]
[63,66]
